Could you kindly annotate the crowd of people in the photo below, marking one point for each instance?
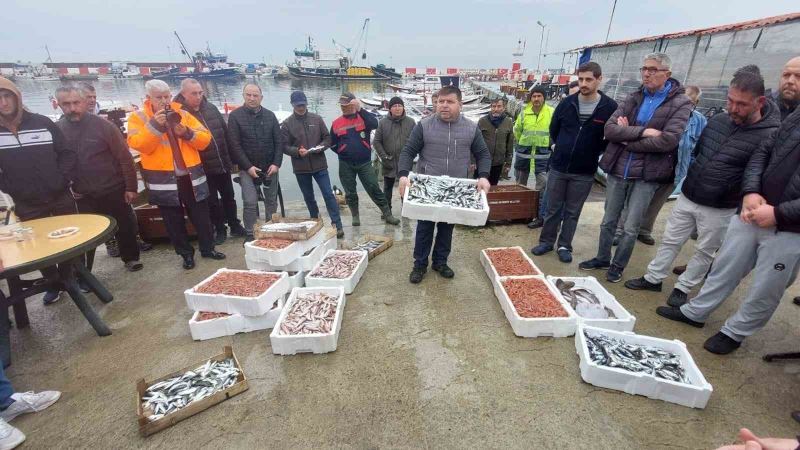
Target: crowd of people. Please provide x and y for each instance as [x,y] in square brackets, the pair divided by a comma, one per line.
[735,177]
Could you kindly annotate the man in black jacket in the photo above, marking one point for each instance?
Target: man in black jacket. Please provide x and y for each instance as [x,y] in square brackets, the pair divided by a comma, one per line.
[764,238]
[36,164]
[788,94]
[216,160]
[712,188]
[256,145]
[577,132]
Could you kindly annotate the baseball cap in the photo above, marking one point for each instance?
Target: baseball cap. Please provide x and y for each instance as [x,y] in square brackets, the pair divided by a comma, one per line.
[346,98]
[298,98]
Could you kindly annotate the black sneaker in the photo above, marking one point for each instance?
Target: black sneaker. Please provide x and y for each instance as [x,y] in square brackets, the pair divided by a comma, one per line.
[238,230]
[614,274]
[220,236]
[564,255]
[593,264]
[417,273]
[677,298]
[646,240]
[213,254]
[144,246]
[536,223]
[541,249]
[721,344]
[677,315]
[444,270]
[641,284]
[51,297]
[84,286]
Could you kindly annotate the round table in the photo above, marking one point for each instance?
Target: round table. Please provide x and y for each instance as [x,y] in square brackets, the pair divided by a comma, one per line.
[59,260]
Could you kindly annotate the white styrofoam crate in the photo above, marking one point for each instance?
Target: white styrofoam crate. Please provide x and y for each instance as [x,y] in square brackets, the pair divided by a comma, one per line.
[693,395]
[625,321]
[283,344]
[231,304]
[233,324]
[279,257]
[349,284]
[445,213]
[301,264]
[535,327]
[316,240]
[491,272]
[296,280]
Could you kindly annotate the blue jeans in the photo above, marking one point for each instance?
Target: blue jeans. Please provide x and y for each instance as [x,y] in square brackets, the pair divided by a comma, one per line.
[324,182]
[424,240]
[635,195]
[5,390]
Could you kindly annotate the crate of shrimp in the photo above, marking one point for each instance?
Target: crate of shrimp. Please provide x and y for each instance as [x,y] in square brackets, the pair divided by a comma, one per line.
[310,321]
[209,325]
[533,307]
[593,304]
[304,263]
[245,292]
[641,365]
[507,262]
[339,268]
[445,199]
[293,229]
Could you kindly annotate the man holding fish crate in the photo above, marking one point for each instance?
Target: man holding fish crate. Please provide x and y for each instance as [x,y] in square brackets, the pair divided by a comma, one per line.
[444,142]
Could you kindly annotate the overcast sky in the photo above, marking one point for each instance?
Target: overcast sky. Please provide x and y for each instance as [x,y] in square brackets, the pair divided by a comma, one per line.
[412,33]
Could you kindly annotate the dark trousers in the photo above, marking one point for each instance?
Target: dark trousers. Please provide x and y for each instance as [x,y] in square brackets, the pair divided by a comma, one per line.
[61,205]
[176,224]
[323,179]
[425,239]
[364,172]
[566,194]
[113,204]
[494,174]
[388,187]
[220,186]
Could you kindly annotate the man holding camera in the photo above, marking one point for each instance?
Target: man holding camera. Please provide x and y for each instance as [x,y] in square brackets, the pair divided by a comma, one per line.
[169,140]
[256,144]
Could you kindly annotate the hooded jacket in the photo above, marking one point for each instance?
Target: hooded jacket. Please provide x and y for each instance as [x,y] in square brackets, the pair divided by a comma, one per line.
[216,158]
[652,159]
[307,131]
[578,146]
[36,163]
[158,164]
[722,153]
[390,137]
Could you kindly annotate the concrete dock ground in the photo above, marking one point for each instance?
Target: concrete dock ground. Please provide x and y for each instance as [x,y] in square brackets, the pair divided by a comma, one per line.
[429,366]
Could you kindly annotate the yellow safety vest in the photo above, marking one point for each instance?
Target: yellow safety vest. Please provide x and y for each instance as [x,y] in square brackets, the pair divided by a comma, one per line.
[531,129]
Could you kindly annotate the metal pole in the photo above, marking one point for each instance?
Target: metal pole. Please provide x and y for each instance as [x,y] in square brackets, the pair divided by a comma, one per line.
[541,45]
[611,19]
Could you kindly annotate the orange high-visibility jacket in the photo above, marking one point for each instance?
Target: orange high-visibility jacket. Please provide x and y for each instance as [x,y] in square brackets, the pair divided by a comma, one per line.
[158,166]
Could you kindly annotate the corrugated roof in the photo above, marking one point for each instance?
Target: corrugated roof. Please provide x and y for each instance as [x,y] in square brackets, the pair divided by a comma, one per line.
[758,23]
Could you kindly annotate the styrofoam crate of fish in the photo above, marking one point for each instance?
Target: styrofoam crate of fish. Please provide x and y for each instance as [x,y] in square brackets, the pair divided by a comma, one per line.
[695,393]
[316,240]
[279,257]
[623,321]
[296,279]
[536,326]
[491,271]
[234,323]
[232,304]
[446,213]
[302,264]
[349,284]
[286,344]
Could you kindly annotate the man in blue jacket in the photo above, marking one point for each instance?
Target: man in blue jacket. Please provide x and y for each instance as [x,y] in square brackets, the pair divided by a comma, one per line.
[577,131]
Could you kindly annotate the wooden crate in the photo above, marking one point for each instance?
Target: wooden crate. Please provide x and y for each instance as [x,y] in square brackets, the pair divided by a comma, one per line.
[146,428]
[290,235]
[387,242]
[151,224]
[512,202]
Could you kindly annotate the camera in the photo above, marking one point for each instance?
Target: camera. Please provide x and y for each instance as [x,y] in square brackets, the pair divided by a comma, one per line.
[262,179]
[173,118]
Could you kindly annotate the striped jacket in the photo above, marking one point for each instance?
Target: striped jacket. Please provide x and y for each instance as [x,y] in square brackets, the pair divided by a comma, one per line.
[36,165]
[158,165]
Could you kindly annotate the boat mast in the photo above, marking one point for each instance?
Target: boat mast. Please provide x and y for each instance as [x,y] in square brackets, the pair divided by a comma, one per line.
[186,52]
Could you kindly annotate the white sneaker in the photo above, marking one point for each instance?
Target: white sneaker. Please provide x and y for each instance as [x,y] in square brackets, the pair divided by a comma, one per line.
[10,437]
[29,402]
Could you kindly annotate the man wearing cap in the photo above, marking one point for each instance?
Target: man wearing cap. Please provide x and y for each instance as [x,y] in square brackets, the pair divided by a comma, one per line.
[350,140]
[392,133]
[307,138]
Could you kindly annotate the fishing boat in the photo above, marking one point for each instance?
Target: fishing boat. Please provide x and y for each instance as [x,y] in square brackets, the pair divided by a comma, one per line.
[207,65]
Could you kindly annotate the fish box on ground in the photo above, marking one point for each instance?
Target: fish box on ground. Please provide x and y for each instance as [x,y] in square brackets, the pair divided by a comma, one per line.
[251,294]
[302,264]
[534,308]
[694,392]
[512,202]
[296,279]
[342,275]
[314,342]
[437,211]
[273,251]
[293,229]
[618,319]
[506,262]
[373,244]
[231,324]
[148,427]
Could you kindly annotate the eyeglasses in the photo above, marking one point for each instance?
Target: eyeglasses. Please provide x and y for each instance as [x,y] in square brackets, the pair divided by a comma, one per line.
[651,70]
